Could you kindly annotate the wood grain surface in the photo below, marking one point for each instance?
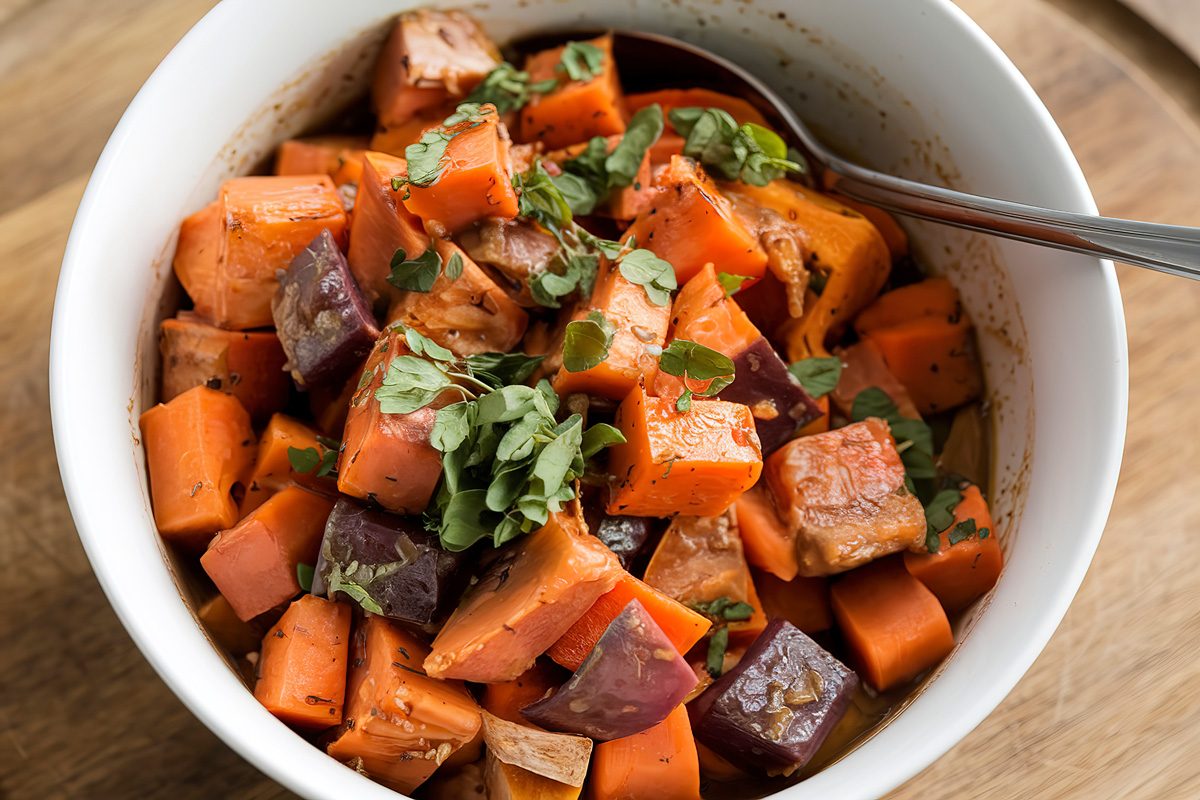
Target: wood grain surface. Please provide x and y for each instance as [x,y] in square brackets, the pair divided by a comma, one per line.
[1110,710]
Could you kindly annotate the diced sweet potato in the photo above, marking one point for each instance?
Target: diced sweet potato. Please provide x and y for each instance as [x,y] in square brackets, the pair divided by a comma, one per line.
[430,57]
[302,669]
[197,447]
[843,494]
[637,323]
[768,541]
[932,297]
[264,221]
[705,314]
[667,147]
[894,627]
[248,366]
[507,698]
[254,562]
[273,467]
[934,360]
[959,573]
[671,99]
[323,322]
[468,314]
[694,462]
[843,246]
[395,139]
[690,224]
[314,155]
[863,368]
[773,710]
[387,458]
[226,630]
[380,226]
[683,626]
[576,110]
[402,724]
[699,560]
[524,603]
[659,763]
[476,177]
[630,681]
[804,602]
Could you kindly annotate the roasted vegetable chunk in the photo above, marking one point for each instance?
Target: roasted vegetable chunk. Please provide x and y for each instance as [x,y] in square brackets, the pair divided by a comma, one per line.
[772,711]
[843,494]
[968,561]
[323,322]
[576,110]
[400,723]
[302,669]
[529,597]
[633,678]
[273,468]
[514,250]
[559,757]
[430,57]
[692,462]
[380,225]
[659,763]
[389,564]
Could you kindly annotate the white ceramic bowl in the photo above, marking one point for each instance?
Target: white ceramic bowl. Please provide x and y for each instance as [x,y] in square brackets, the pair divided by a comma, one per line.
[913,87]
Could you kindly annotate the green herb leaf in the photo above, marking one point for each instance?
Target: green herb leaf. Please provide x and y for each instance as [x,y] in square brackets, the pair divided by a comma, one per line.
[541,200]
[452,426]
[749,153]
[644,128]
[731,283]
[586,342]
[425,158]
[914,439]
[722,608]
[461,519]
[422,345]
[304,576]
[684,401]
[817,376]
[689,360]
[581,61]
[598,437]
[415,275]
[411,383]
[962,531]
[650,272]
[454,267]
[309,460]
[338,581]
[508,88]
[590,164]
[577,192]
[939,515]
[717,645]
[576,273]
[466,112]
[501,369]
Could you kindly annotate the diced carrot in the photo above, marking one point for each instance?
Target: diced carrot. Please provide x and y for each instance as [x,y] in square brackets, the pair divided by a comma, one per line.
[894,627]
[695,462]
[863,368]
[821,423]
[705,314]
[576,110]
[254,562]
[430,57]
[715,767]
[671,99]
[660,763]
[387,458]
[476,178]
[394,139]
[350,168]
[380,226]
[769,544]
[273,466]
[524,603]
[690,224]
[637,324]
[260,224]
[197,447]
[314,155]
[667,146]
[626,202]
[885,223]
[683,626]
[468,314]
[401,723]
[700,559]
[959,573]
[843,494]
[302,669]
[804,602]
[506,698]
[247,365]
[934,359]
[844,247]
[932,297]
[226,630]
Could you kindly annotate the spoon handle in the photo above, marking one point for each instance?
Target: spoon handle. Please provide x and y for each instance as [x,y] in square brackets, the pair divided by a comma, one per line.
[1173,249]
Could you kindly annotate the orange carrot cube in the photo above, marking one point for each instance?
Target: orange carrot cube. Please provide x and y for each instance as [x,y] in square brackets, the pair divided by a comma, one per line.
[961,572]
[302,668]
[576,110]
[273,466]
[314,155]
[380,226]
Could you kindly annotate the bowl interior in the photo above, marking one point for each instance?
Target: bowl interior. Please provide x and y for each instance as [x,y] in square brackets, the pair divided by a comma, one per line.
[880,92]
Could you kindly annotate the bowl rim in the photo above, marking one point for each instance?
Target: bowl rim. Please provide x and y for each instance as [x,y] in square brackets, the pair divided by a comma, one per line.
[83,495]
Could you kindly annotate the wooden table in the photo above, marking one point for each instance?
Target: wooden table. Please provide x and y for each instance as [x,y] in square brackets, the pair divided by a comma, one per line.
[1110,710]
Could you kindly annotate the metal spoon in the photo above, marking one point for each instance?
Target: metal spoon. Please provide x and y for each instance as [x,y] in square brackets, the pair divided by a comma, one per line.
[1174,249]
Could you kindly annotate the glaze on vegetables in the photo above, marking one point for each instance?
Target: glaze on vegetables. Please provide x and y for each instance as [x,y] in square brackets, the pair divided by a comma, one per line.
[551,439]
